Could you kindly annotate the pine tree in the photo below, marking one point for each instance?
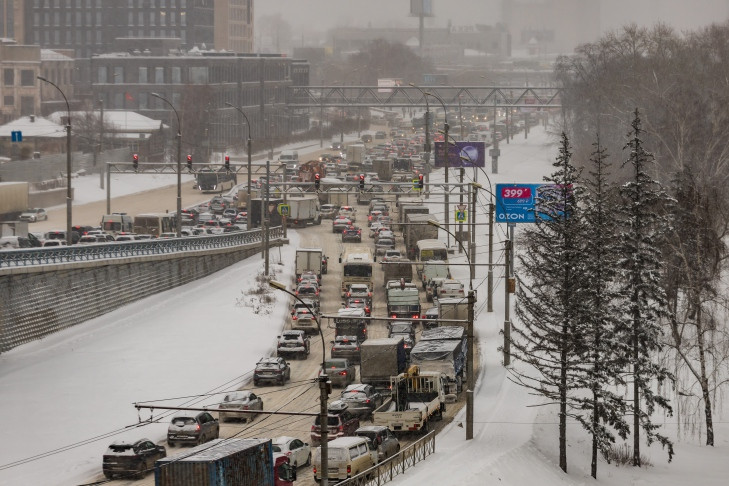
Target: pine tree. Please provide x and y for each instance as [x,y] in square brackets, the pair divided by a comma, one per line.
[602,365]
[640,281]
[548,297]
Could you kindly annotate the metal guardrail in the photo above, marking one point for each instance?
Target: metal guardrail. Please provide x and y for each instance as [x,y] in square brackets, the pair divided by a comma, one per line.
[109,251]
[387,470]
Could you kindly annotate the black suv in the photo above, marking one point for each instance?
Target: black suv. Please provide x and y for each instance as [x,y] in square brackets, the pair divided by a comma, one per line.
[192,428]
[352,233]
[131,459]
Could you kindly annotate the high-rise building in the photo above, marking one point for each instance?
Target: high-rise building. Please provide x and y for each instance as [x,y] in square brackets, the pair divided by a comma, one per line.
[93,26]
[11,19]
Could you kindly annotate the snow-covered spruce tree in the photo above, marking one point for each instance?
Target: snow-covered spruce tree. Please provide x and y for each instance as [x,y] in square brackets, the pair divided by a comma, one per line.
[546,334]
[604,409]
[641,237]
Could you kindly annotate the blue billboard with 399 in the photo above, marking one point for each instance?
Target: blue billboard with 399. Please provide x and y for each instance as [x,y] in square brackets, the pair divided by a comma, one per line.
[515,202]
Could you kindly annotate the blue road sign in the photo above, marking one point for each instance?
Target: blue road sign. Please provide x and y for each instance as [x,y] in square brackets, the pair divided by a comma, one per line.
[16,136]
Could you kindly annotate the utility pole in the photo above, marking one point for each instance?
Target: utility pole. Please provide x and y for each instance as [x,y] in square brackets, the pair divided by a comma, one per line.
[469,365]
[507,304]
[266,222]
[460,224]
[472,231]
[490,275]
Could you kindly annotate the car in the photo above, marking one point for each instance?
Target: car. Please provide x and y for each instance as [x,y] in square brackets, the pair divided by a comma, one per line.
[307,290]
[384,232]
[54,242]
[33,214]
[361,399]
[293,343]
[230,213]
[450,288]
[380,135]
[392,256]
[341,372]
[384,244]
[382,207]
[135,459]
[271,370]
[359,291]
[404,330]
[348,212]
[346,347]
[240,400]
[382,438]
[374,217]
[339,224]
[329,211]
[192,428]
[363,304]
[337,146]
[218,204]
[352,234]
[430,320]
[341,423]
[309,277]
[303,320]
[374,228]
[366,138]
[298,451]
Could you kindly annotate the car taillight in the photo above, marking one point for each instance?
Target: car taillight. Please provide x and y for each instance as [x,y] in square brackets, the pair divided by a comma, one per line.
[367,310]
[394,316]
[197,427]
[343,373]
[314,469]
[294,318]
[349,469]
[340,429]
[367,401]
[416,316]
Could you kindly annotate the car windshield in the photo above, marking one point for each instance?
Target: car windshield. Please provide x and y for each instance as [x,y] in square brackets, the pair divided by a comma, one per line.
[333,364]
[235,396]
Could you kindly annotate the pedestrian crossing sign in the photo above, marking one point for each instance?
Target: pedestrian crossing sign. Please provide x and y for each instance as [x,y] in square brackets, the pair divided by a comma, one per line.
[461,215]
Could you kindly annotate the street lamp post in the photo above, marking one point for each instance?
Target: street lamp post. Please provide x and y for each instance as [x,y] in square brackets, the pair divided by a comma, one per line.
[178,222]
[490,275]
[323,388]
[69,191]
[469,336]
[446,158]
[248,150]
[427,139]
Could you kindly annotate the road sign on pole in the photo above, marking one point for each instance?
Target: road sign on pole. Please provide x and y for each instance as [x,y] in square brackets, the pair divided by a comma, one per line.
[283,209]
[461,214]
[16,136]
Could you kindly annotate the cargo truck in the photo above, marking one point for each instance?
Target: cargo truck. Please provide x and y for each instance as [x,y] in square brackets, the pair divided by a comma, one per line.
[417,398]
[446,356]
[309,260]
[416,229]
[243,197]
[403,302]
[226,462]
[397,270]
[271,213]
[380,360]
[338,196]
[13,199]
[355,155]
[453,308]
[383,167]
[303,210]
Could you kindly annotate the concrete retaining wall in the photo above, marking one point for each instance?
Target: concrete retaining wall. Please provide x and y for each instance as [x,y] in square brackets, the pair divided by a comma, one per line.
[37,301]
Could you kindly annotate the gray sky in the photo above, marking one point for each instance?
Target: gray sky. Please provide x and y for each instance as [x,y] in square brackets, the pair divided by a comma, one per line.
[320,15]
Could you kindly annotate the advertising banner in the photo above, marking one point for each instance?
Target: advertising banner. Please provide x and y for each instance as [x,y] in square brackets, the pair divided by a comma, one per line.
[461,154]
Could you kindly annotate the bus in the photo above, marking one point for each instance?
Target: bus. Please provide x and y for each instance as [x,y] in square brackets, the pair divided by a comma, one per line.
[357,263]
[155,224]
[211,181]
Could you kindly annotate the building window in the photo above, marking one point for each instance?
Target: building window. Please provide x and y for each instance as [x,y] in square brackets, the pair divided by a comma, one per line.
[198,75]
[27,77]
[9,77]
[118,75]
[143,74]
[27,105]
[9,100]
[176,73]
[101,74]
[159,75]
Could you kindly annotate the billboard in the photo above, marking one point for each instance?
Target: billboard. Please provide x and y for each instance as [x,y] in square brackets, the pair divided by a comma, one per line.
[517,202]
[384,84]
[461,154]
[421,7]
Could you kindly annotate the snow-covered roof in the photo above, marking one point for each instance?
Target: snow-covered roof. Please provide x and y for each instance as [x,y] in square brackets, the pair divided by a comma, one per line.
[34,126]
[120,120]
[51,55]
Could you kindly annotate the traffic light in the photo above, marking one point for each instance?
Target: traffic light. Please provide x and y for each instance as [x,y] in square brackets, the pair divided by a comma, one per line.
[227,163]
[135,162]
[317,181]
[420,182]
[189,162]
[361,182]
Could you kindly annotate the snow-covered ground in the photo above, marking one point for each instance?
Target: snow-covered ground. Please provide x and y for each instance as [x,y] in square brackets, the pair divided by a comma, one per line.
[67,396]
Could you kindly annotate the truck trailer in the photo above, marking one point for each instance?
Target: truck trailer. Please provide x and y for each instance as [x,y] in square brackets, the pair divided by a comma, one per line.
[226,462]
[416,229]
[304,209]
[381,359]
[309,260]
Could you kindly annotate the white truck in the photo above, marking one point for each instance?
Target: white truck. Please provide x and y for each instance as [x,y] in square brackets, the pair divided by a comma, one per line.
[309,260]
[355,155]
[304,209]
[417,398]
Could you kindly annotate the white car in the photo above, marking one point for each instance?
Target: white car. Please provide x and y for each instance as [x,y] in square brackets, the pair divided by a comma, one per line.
[348,212]
[298,451]
[33,215]
[449,289]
